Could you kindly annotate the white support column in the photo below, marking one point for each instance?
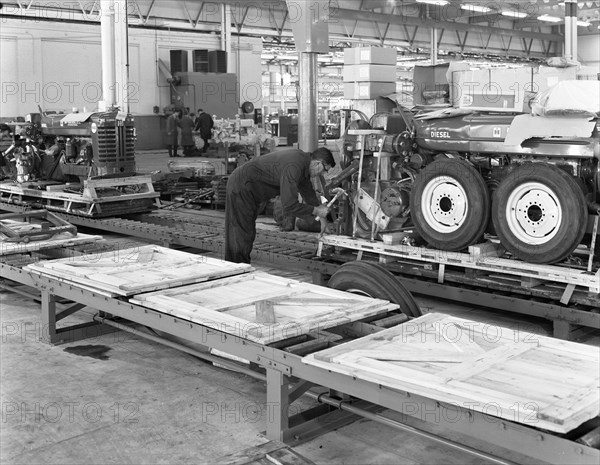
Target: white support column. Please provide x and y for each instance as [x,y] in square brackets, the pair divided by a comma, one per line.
[433,40]
[226,35]
[311,34]
[434,46]
[570,51]
[121,45]
[307,105]
[107,23]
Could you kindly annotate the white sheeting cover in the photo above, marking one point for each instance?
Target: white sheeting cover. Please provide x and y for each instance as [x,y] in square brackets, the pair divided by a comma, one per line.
[576,98]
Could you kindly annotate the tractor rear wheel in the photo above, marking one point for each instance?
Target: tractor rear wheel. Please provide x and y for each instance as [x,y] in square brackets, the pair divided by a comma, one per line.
[450,204]
[373,280]
[539,212]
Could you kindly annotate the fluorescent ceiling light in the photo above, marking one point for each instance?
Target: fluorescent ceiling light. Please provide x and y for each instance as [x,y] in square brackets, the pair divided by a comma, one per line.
[514,14]
[584,23]
[434,2]
[476,8]
[550,19]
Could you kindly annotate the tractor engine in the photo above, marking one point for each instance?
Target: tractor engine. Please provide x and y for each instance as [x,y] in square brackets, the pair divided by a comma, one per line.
[26,162]
[89,144]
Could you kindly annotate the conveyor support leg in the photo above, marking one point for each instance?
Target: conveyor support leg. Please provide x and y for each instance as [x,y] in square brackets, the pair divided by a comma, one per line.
[277,404]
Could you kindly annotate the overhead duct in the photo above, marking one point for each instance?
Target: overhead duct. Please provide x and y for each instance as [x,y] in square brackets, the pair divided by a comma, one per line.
[171,79]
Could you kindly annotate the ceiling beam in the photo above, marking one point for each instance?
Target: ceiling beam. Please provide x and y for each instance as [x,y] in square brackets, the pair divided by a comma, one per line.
[344,13]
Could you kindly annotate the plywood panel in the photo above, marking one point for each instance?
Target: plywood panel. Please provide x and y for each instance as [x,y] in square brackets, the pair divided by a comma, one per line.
[522,377]
[262,307]
[138,269]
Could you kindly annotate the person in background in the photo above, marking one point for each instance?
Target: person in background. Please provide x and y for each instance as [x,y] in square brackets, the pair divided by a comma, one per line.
[286,173]
[172,132]
[6,141]
[204,125]
[191,114]
[6,138]
[187,139]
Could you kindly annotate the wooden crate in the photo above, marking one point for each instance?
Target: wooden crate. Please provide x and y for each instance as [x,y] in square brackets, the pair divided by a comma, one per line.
[139,269]
[263,308]
[517,376]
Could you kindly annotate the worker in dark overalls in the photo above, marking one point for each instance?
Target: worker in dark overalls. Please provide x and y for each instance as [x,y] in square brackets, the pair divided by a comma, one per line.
[286,173]
[173,122]
[204,125]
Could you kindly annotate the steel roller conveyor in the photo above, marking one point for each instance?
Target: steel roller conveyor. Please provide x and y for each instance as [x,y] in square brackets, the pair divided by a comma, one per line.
[340,356]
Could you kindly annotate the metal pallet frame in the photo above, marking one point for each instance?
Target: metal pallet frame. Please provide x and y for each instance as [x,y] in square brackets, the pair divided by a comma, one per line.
[284,368]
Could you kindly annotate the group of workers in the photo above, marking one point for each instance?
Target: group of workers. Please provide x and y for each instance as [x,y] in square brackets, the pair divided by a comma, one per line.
[183,121]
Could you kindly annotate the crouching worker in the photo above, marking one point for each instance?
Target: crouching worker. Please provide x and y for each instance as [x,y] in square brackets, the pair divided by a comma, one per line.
[286,173]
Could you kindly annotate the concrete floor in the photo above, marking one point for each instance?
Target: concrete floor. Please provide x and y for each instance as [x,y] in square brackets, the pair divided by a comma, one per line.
[121,399]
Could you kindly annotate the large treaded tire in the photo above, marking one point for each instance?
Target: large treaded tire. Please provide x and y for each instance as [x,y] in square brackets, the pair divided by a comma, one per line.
[539,212]
[373,280]
[450,204]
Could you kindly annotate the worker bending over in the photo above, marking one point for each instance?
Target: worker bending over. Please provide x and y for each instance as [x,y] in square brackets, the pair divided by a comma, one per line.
[286,173]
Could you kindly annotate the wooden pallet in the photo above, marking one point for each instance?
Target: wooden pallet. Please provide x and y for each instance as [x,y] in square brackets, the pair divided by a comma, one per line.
[482,257]
[20,237]
[263,308]
[514,375]
[136,270]
[33,225]
[98,197]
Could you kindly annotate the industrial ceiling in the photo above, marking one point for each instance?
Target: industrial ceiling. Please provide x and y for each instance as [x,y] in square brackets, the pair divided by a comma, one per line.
[522,29]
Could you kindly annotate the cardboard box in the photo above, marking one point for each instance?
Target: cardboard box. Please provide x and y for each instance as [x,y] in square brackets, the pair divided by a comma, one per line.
[369,72]
[373,55]
[430,79]
[494,89]
[480,101]
[504,89]
[368,90]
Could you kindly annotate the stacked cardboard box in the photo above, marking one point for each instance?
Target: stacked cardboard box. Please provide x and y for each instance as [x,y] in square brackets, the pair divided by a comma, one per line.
[369,72]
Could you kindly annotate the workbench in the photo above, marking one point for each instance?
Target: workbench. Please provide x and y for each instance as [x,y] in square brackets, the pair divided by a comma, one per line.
[285,363]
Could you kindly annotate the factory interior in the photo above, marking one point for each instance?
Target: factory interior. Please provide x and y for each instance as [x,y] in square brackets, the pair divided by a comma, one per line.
[295,232]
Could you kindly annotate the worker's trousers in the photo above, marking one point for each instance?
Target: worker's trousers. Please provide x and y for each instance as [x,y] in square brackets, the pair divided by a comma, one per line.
[241,211]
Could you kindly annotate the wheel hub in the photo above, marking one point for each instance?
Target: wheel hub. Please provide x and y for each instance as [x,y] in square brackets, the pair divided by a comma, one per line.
[533,213]
[444,204]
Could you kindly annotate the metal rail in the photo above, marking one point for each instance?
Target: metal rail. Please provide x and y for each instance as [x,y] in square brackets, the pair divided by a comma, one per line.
[376,417]
[297,250]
